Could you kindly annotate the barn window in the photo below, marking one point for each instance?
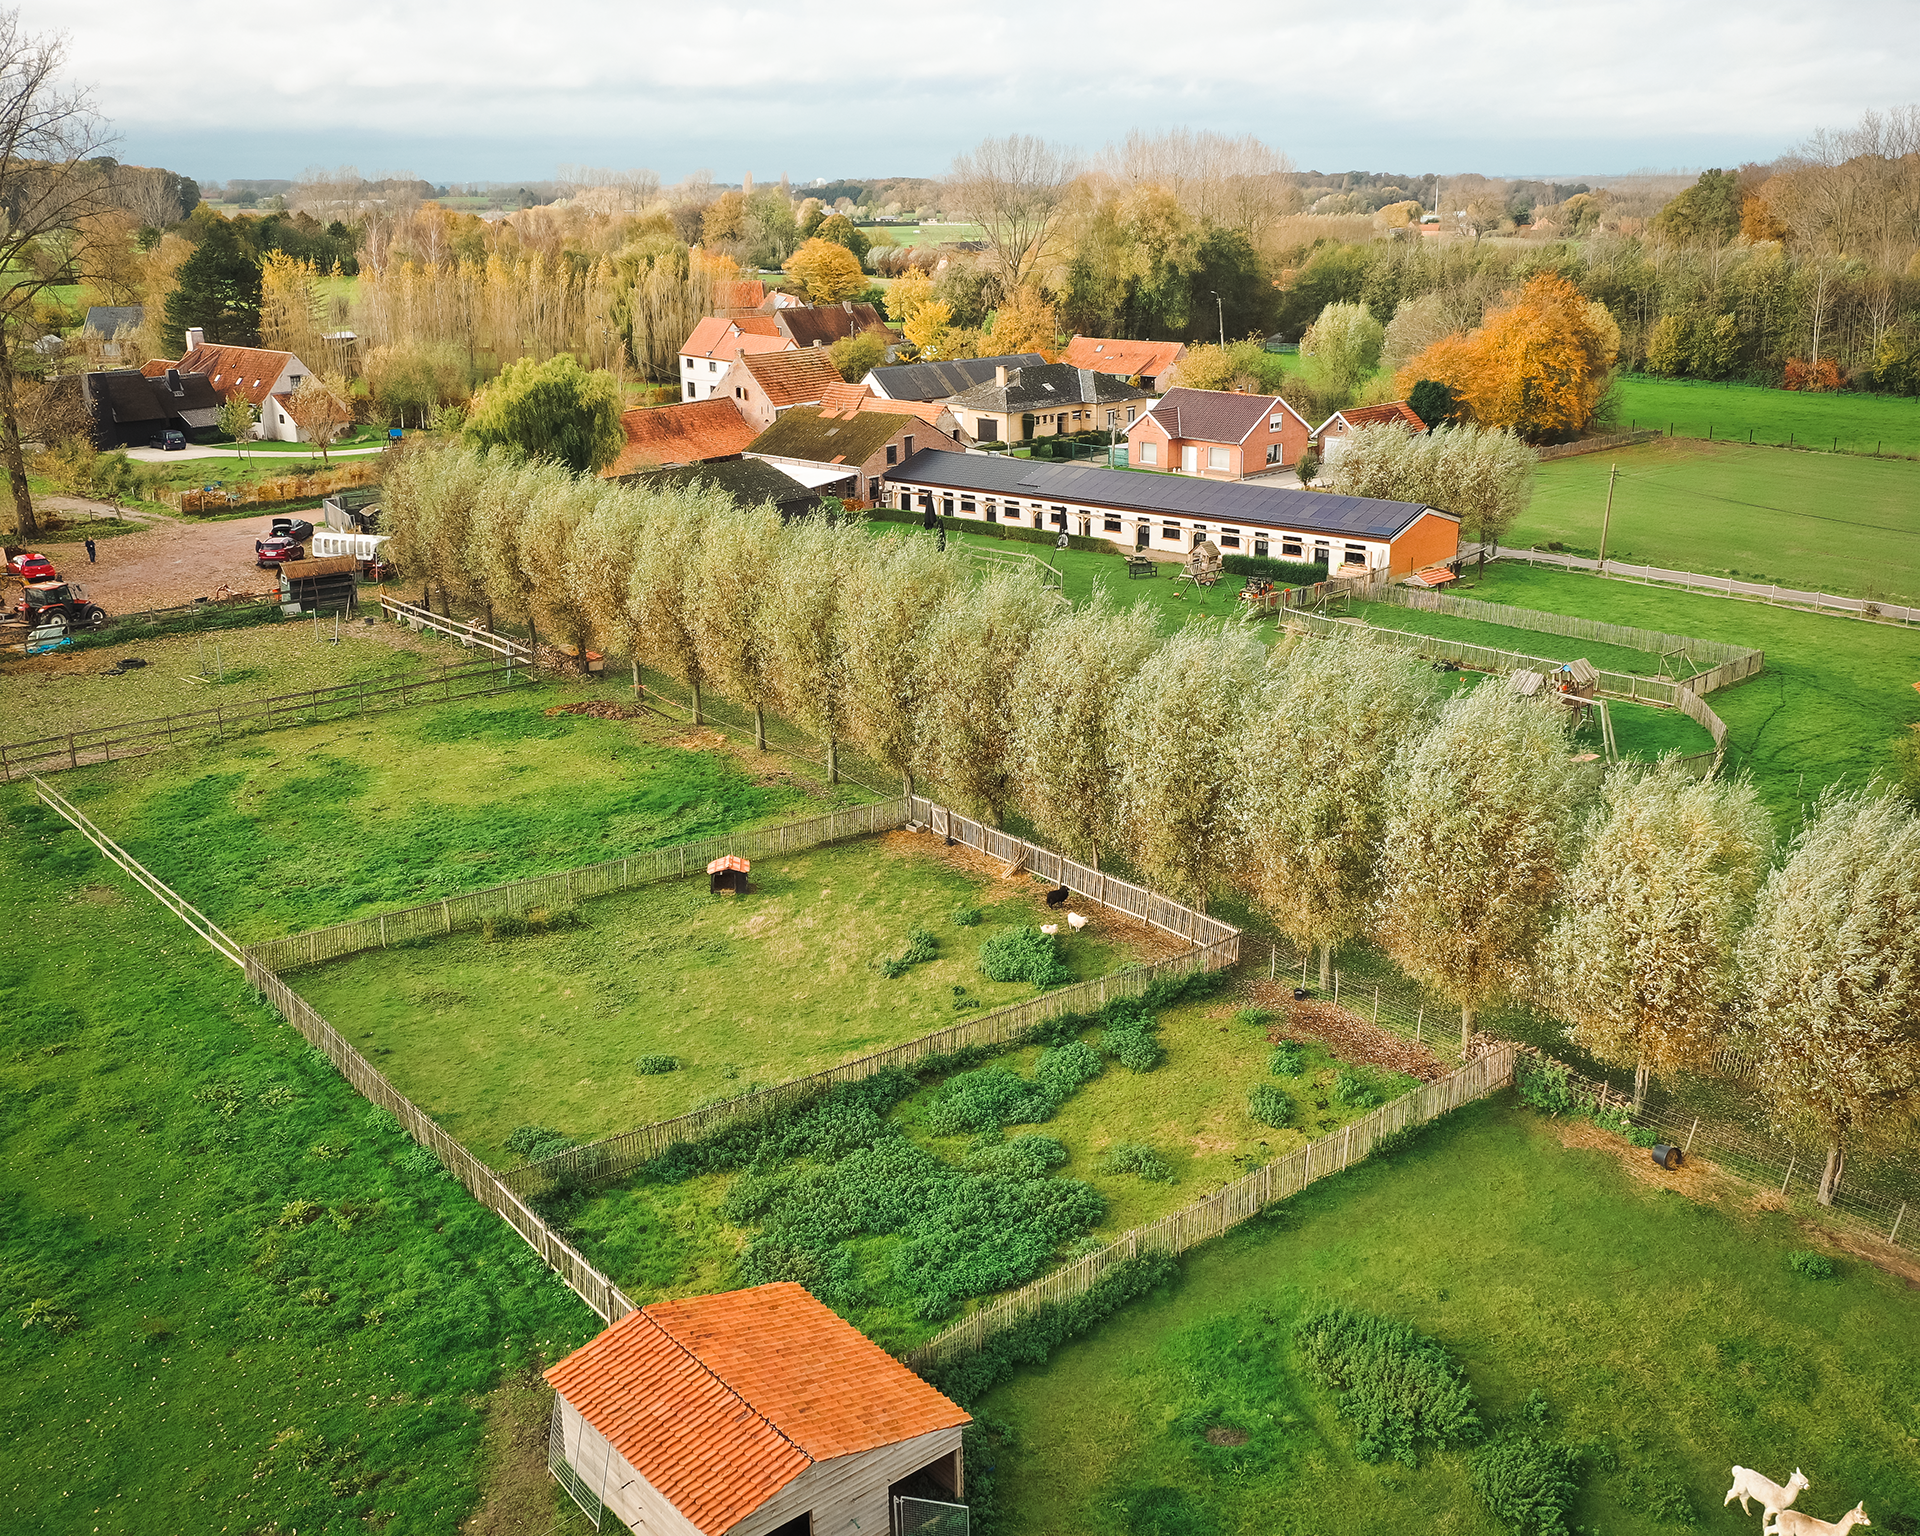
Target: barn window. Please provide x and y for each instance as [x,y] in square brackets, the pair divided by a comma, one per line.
[1229,538]
[1170,531]
[1290,549]
[1111,523]
[966,504]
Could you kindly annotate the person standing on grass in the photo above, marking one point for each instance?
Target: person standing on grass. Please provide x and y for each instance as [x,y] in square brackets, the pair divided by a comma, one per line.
[90,552]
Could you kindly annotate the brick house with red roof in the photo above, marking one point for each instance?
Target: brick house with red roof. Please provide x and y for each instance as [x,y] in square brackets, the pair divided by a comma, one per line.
[692,432]
[751,1413]
[763,384]
[1332,434]
[1218,434]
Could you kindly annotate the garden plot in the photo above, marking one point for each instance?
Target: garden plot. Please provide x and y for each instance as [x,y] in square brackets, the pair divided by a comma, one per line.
[77,690]
[1645,1339]
[900,1201]
[640,1006]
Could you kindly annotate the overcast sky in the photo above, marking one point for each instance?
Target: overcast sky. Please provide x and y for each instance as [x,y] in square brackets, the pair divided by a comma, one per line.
[508,90]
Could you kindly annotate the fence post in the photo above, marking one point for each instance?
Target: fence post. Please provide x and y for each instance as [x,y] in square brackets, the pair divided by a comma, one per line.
[1376,1004]
[1789,1178]
[1419,1019]
[1896,1222]
[446,917]
[1687,1150]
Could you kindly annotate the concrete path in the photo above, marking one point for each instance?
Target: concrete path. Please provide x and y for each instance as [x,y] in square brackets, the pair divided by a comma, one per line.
[197,451]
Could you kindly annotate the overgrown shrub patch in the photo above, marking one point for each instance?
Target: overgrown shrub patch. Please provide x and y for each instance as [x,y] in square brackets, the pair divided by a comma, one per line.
[1024,954]
[1399,1389]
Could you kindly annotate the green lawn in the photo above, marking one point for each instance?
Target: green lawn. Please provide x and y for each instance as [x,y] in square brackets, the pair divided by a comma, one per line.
[1834,695]
[744,992]
[258,1307]
[297,828]
[1667,1336]
[1860,423]
[1811,521]
[1083,570]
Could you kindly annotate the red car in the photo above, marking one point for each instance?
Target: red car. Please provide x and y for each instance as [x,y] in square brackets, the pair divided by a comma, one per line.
[31,567]
[268,553]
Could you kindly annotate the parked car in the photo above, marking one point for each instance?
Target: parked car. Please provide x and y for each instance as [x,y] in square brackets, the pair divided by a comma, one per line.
[268,553]
[169,440]
[31,567]
[296,528]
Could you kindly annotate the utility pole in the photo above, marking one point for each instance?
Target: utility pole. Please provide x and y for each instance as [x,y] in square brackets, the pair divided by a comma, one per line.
[1613,474]
[1221,305]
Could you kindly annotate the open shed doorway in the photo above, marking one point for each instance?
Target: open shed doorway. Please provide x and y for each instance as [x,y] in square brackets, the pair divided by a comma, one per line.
[927,1502]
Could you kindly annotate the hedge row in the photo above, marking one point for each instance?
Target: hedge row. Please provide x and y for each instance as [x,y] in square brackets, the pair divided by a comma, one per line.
[1018,534]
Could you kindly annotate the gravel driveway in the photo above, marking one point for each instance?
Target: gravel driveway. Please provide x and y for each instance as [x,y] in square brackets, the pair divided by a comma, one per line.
[169,564]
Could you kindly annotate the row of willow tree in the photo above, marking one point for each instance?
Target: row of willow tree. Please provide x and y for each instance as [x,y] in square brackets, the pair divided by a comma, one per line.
[1337,786]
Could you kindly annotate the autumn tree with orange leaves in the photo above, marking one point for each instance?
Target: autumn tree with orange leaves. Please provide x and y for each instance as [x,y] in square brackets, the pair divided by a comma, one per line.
[1539,365]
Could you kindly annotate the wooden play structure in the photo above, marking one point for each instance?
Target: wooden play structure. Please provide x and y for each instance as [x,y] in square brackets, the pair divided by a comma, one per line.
[1577,685]
[728,873]
[1204,566]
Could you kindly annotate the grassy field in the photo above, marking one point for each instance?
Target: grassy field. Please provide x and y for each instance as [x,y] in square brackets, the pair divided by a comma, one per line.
[79,690]
[1667,1335]
[744,992]
[1811,521]
[1083,570]
[1858,423]
[1834,695]
[231,1298]
[296,828]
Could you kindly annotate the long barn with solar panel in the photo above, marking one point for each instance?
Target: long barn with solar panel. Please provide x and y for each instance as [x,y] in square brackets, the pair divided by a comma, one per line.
[1170,514]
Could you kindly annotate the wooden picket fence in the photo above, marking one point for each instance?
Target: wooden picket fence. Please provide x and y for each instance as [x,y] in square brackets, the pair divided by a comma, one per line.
[571,886]
[1651,642]
[616,1156]
[136,738]
[1224,1209]
[588,1282]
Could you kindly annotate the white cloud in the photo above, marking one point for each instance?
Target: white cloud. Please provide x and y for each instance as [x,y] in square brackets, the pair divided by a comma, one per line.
[487,88]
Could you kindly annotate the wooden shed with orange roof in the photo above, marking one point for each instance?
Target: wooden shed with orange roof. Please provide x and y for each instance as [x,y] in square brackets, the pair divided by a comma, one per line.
[751,1413]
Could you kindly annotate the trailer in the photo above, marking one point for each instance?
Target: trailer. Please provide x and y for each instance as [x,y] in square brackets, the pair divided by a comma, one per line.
[319,586]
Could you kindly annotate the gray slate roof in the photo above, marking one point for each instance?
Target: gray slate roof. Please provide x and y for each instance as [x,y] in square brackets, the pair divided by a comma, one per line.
[1040,385]
[1215,501]
[128,397]
[105,319]
[750,482]
[941,381]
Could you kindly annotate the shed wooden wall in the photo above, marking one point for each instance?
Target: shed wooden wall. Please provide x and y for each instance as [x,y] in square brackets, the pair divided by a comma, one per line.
[848,1495]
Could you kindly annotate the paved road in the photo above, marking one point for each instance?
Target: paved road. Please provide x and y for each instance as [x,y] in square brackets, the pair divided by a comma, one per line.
[197,451]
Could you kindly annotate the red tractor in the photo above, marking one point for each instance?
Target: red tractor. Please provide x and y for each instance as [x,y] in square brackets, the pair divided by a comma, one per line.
[55,602]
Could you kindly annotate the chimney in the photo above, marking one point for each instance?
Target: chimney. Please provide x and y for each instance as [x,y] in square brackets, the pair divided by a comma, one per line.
[818,342]
[195,337]
[739,354]
[907,449]
[1000,376]
[173,382]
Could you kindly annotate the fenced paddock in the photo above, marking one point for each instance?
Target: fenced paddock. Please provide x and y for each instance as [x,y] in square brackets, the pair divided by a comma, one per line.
[1730,663]
[137,738]
[1226,1208]
[616,1156]
[1721,586]
[586,1281]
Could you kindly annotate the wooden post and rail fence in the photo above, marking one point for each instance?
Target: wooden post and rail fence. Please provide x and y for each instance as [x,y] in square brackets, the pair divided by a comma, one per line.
[1217,945]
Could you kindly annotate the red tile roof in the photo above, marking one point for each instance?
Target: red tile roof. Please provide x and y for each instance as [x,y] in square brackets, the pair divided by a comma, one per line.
[721,1401]
[722,338]
[744,294]
[1105,355]
[252,371]
[850,399]
[689,433]
[1374,416]
[793,378]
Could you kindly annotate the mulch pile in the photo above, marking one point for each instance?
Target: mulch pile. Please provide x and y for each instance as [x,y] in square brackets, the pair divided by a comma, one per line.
[599,709]
[1351,1037]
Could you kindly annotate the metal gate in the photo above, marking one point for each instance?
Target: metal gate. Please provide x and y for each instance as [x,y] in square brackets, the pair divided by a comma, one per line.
[585,1483]
[929,1517]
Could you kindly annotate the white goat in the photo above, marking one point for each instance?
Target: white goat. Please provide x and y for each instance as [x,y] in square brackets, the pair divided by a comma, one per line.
[1749,1484]
[1790,1522]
